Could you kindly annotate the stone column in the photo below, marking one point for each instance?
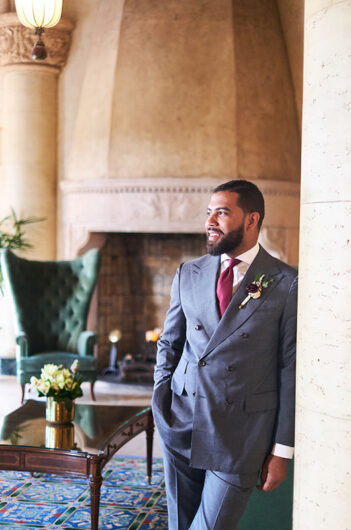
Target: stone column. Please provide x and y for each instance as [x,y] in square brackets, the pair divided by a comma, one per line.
[323,431]
[29,127]
[29,137]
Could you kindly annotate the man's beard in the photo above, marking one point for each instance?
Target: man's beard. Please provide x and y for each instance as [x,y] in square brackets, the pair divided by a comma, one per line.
[226,244]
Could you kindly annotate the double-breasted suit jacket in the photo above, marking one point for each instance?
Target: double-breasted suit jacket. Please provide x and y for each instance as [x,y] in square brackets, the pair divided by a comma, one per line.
[225,387]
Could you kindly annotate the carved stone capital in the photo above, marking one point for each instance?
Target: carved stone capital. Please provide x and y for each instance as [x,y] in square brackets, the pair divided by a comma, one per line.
[17,41]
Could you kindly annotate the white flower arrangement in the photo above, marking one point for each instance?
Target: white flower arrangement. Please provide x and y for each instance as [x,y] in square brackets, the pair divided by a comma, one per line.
[58,382]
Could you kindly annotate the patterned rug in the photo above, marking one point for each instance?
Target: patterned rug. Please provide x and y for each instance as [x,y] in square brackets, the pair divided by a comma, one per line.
[52,501]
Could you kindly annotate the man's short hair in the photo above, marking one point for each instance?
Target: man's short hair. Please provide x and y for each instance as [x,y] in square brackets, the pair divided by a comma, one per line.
[250,198]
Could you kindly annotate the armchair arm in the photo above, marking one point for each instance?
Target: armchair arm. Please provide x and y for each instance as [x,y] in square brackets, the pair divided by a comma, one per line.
[86,342]
[22,345]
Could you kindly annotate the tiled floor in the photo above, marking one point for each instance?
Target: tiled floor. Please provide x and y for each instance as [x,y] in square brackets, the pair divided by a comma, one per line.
[106,394]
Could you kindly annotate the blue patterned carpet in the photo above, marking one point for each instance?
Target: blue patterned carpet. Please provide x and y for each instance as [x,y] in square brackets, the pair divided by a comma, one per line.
[53,501]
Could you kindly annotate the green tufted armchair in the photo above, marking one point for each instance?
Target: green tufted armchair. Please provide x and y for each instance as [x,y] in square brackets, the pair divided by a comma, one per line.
[51,302]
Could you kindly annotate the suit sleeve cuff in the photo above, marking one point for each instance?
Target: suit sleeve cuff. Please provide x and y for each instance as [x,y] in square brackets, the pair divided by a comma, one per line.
[284,451]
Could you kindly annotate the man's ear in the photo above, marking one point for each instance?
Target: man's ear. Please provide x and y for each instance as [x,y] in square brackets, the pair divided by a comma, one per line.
[253,219]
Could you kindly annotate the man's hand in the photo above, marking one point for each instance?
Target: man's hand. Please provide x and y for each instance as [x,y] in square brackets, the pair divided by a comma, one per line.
[274,472]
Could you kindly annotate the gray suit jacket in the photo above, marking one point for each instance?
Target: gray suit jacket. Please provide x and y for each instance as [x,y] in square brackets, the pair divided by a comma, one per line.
[225,388]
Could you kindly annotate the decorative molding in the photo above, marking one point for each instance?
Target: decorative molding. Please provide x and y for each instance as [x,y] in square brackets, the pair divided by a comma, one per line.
[168,205]
[274,240]
[17,41]
[79,236]
[170,185]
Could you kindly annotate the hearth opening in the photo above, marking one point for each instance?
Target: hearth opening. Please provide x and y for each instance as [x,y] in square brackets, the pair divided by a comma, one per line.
[136,275]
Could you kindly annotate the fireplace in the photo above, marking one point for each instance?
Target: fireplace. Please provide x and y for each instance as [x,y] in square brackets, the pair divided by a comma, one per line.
[145,228]
[133,290]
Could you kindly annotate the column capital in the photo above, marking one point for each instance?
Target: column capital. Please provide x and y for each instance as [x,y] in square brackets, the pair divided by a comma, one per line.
[17,41]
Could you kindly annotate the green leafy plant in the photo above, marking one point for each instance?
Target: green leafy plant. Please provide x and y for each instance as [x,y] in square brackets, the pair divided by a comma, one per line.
[12,234]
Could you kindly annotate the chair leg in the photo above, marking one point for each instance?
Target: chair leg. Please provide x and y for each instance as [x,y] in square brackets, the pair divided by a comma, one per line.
[23,387]
[92,391]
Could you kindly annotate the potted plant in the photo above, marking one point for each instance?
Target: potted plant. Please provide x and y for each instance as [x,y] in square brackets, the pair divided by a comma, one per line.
[12,235]
[61,386]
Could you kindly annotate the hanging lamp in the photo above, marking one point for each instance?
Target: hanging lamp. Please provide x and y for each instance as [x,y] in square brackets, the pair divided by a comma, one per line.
[37,15]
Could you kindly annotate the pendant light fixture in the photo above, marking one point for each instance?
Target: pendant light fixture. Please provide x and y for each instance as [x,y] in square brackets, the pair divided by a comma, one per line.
[37,15]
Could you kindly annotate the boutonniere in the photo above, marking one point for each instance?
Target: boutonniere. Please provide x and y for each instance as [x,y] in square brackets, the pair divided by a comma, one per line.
[255,288]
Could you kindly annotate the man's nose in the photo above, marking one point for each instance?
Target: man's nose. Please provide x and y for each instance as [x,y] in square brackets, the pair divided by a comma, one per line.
[211,219]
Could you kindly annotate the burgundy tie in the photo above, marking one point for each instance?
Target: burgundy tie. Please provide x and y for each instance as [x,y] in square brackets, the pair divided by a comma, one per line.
[225,285]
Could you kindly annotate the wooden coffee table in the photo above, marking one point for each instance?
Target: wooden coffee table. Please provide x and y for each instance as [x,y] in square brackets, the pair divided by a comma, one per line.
[98,432]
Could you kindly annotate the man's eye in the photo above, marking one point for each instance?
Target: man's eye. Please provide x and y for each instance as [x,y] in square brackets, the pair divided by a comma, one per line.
[222,213]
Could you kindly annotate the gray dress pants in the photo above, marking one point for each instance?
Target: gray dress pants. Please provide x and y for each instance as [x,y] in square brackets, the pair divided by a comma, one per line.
[201,499]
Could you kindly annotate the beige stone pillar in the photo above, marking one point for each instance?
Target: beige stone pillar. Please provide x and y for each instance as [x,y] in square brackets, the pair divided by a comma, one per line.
[29,138]
[323,431]
[5,6]
[29,128]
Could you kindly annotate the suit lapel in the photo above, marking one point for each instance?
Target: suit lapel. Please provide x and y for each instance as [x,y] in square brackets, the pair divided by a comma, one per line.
[234,317]
[204,281]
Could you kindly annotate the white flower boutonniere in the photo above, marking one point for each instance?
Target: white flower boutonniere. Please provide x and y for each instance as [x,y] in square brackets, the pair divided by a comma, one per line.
[254,288]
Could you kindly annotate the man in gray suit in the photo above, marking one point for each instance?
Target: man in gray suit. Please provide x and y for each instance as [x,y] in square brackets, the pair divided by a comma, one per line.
[225,375]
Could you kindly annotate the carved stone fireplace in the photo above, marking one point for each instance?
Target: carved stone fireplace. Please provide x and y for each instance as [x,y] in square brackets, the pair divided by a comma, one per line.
[134,286]
[145,228]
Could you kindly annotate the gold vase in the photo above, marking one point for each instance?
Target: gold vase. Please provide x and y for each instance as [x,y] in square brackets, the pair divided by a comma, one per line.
[59,436]
[59,411]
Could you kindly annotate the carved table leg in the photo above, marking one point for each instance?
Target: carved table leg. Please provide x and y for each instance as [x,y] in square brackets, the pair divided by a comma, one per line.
[92,394]
[95,481]
[149,444]
[23,388]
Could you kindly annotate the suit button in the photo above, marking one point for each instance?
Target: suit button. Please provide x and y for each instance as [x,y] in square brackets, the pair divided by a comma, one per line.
[227,402]
[194,394]
[202,363]
[198,327]
[244,335]
[230,368]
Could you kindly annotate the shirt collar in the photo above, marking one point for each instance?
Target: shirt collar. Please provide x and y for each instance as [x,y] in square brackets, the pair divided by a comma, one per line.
[246,257]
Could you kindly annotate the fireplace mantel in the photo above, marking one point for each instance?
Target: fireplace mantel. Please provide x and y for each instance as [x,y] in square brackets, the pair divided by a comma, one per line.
[167,205]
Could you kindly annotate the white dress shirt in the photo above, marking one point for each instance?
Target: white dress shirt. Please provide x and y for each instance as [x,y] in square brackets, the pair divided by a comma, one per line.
[239,271]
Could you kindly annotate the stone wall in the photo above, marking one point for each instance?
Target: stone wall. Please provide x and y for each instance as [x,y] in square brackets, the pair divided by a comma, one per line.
[183,89]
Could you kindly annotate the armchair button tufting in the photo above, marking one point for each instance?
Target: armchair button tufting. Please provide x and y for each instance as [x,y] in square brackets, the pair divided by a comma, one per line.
[202,363]
[198,327]
[53,300]
[244,335]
